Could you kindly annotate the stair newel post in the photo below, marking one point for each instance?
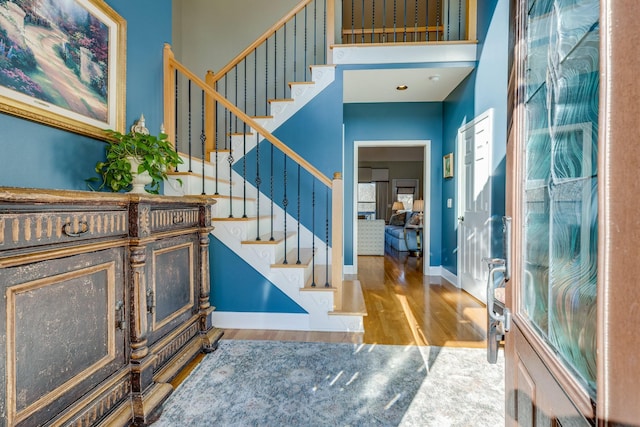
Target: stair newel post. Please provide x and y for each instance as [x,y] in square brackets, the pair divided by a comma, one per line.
[217,143]
[299,219]
[313,233]
[203,139]
[244,171]
[285,203]
[258,182]
[326,239]
[337,221]
[189,122]
[271,239]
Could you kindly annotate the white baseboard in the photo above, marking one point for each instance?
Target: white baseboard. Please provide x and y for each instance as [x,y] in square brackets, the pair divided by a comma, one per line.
[446,274]
[270,321]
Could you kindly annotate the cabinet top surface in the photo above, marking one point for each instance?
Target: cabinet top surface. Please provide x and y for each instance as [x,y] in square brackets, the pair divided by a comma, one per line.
[33,195]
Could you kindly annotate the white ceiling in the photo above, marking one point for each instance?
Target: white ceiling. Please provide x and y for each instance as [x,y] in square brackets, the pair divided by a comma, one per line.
[424,84]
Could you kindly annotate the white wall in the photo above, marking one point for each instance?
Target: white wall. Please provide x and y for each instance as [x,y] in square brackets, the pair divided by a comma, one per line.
[208,34]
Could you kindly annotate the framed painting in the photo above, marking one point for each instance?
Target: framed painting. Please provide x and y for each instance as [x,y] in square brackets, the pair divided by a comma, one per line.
[447,165]
[62,63]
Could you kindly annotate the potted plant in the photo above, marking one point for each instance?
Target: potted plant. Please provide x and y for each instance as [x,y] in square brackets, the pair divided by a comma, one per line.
[134,160]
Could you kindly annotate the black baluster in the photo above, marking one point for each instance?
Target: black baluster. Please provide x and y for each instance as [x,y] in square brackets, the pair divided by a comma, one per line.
[299,219]
[295,47]
[415,22]
[227,125]
[236,97]
[324,32]
[203,139]
[315,32]
[284,68]
[460,20]
[244,172]
[245,86]
[271,239]
[266,77]
[326,240]
[230,161]
[362,35]
[353,22]
[313,233]
[437,20]
[405,21]
[448,37]
[217,141]
[395,16]
[275,65]
[384,21]
[255,81]
[426,21]
[258,182]
[285,203]
[189,122]
[373,21]
[305,43]
[175,115]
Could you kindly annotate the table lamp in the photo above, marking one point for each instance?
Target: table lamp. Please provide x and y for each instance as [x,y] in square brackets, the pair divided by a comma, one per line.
[418,206]
[397,206]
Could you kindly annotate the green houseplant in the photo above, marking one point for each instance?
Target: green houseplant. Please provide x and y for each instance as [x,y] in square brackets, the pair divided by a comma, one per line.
[154,156]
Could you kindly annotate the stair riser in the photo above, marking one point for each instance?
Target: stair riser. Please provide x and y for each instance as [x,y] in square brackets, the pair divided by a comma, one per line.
[224,207]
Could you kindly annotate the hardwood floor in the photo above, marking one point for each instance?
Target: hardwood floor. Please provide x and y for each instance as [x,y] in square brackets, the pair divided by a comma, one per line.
[404,307]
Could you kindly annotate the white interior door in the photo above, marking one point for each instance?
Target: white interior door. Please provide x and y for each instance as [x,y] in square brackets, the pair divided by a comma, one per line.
[474,203]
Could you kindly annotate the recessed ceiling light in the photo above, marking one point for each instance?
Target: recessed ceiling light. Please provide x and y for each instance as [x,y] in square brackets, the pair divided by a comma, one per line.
[402,87]
[434,78]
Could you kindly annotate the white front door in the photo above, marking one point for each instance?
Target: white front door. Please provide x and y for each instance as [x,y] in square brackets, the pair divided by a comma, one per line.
[474,203]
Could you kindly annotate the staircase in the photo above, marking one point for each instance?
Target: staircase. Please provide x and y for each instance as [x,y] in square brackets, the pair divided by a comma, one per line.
[274,242]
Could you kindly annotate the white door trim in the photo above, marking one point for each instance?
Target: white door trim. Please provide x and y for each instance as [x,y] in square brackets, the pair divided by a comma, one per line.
[426,191]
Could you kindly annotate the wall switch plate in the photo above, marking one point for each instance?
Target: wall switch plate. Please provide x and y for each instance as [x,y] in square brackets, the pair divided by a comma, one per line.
[449,203]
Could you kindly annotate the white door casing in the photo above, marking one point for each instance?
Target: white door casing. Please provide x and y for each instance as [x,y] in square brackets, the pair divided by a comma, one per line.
[474,166]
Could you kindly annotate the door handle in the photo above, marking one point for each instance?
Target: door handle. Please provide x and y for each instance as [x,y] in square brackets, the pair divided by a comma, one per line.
[461,218]
[497,323]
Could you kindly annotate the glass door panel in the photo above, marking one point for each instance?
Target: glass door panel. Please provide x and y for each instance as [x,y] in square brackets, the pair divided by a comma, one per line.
[558,294]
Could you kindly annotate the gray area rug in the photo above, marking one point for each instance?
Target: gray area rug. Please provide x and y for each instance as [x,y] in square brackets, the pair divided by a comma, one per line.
[275,383]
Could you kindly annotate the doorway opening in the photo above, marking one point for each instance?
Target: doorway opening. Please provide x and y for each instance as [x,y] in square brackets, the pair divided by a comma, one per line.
[377,153]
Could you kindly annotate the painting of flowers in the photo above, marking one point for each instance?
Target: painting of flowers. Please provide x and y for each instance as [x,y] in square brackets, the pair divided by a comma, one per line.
[61,62]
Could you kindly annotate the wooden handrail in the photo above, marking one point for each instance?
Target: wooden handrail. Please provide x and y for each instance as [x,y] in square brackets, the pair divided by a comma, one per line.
[235,61]
[172,63]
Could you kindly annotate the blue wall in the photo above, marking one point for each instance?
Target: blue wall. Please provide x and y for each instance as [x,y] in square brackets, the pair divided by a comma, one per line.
[484,88]
[389,122]
[40,156]
[244,290]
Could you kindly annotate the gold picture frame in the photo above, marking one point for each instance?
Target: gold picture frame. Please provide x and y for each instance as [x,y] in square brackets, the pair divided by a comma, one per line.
[64,65]
[447,166]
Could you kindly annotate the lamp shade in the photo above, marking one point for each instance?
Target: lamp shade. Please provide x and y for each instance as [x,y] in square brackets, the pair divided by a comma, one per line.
[397,206]
[418,206]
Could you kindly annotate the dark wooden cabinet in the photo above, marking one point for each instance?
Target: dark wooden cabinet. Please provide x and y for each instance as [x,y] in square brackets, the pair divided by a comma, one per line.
[105,299]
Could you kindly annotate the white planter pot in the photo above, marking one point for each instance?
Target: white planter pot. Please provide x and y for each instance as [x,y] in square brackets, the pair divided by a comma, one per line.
[139,180]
